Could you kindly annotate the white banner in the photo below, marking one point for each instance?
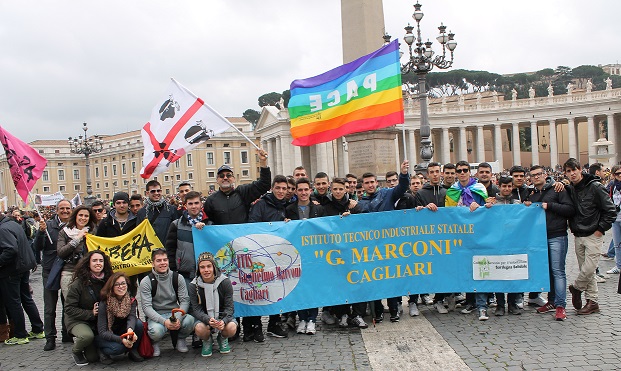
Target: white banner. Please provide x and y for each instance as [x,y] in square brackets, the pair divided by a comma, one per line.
[49,200]
[500,267]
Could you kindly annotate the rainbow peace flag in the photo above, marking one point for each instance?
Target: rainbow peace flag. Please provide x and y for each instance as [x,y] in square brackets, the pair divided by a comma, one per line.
[359,96]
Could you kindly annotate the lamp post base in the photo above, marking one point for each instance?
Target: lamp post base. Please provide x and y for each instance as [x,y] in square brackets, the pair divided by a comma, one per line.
[88,200]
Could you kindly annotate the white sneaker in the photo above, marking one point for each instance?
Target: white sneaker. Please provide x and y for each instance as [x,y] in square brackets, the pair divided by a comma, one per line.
[344,321]
[538,301]
[599,279]
[182,347]
[310,328]
[156,349]
[460,297]
[427,300]
[414,310]
[302,327]
[483,315]
[327,318]
[440,308]
[614,270]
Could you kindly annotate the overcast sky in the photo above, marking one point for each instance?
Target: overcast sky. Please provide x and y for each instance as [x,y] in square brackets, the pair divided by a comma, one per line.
[107,63]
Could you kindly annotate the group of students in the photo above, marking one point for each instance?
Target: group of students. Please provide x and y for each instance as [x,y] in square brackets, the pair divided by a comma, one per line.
[182,296]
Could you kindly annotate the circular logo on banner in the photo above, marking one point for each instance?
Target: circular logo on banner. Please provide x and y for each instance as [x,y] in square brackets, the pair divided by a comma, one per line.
[263,268]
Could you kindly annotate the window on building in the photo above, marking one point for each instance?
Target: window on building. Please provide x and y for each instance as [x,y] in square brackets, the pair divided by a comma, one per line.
[41,151]
[226,145]
[113,170]
[227,158]
[190,176]
[113,158]
[126,182]
[243,144]
[178,177]
[56,151]
[133,167]
[209,145]
[167,191]
[189,159]
[62,188]
[210,158]
[61,174]
[108,196]
[45,176]
[75,164]
[76,174]
[211,174]
[97,185]
[123,169]
[46,189]
[166,178]
[245,173]
[96,172]
[177,164]
[105,171]
[76,187]
[60,164]
[244,157]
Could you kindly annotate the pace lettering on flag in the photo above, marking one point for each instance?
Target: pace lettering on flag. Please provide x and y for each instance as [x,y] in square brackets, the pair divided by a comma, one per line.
[179,122]
[359,96]
[25,163]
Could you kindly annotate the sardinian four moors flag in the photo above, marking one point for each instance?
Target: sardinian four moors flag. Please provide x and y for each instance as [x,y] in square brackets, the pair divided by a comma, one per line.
[359,96]
[179,122]
[25,163]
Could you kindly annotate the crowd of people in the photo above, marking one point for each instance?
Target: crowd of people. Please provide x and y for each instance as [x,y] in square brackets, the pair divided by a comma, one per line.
[184,297]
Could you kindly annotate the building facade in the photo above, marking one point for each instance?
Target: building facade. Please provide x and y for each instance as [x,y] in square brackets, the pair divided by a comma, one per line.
[117,166]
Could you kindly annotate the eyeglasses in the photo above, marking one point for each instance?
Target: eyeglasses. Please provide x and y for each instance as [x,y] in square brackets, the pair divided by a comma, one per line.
[98,211]
[225,175]
[155,191]
[120,284]
[459,171]
[537,175]
[618,173]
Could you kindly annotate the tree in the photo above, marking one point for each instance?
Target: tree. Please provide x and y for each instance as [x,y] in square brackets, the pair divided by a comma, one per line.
[583,73]
[286,95]
[269,99]
[252,116]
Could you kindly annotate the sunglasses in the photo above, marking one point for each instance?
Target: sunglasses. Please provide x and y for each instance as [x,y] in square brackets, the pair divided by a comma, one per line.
[618,173]
[155,191]
[225,175]
[98,211]
[459,171]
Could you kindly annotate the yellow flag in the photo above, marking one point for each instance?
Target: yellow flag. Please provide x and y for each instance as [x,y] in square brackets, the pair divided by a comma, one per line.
[131,252]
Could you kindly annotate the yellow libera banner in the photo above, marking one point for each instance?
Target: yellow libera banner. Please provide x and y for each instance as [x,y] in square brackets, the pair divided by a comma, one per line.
[131,252]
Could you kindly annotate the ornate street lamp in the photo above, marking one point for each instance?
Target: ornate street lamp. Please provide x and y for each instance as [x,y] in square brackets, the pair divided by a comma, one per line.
[421,61]
[85,145]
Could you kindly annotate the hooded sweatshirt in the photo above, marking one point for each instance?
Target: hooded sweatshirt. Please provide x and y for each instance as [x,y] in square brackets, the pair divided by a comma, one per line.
[212,299]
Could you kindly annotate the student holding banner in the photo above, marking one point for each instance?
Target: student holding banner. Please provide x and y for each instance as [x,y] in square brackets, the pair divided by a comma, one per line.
[303,208]
[159,212]
[271,208]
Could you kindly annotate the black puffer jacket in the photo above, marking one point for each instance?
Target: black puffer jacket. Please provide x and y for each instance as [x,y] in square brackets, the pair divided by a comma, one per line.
[110,227]
[560,207]
[232,208]
[315,211]
[267,209]
[430,194]
[595,211]
[338,207]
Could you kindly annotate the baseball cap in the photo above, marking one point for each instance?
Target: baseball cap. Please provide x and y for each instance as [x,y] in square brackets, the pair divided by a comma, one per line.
[224,168]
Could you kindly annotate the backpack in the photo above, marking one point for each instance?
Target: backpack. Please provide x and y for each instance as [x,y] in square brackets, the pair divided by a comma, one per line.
[30,227]
[175,283]
[25,259]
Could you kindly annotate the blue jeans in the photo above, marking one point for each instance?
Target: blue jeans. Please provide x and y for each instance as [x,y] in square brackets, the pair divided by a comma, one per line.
[557,253]
[157,331]
[308,314]
[112,348]
[616,240]
[481,300]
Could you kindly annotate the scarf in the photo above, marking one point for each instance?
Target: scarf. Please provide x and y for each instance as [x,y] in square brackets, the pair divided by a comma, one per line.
[193,221]
[460,195]
[72,232]
[117,308]
[152,207]
[212,299]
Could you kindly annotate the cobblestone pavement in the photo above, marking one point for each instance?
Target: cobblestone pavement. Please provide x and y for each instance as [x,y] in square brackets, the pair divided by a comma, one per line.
[429,342]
